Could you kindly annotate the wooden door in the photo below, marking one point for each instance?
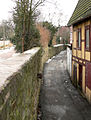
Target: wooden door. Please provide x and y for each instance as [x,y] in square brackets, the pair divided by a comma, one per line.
[75,75]
[80,77]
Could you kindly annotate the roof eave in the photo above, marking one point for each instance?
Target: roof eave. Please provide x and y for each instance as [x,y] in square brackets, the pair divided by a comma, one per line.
[79,20]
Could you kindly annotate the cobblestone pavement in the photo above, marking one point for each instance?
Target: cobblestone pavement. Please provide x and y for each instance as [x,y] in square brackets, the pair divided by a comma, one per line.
[59,99]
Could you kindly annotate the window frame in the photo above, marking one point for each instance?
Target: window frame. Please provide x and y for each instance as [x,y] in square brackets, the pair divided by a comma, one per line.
[79,30]
[88,28]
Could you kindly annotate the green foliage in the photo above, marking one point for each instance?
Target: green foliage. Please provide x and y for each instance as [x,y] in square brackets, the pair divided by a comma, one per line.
[58,40]
[31,39]
[52,30]
[50,26]
[26,33]
[1,34]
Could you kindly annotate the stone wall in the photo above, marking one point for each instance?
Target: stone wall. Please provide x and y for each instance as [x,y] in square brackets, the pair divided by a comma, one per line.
[49,52]
[55,50]
[19,90]
[20,85]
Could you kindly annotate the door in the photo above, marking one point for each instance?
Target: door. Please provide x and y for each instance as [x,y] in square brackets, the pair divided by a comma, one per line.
[75,75]
[80,77]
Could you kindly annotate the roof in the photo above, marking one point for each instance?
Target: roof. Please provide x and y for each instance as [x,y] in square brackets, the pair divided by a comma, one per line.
[82,11]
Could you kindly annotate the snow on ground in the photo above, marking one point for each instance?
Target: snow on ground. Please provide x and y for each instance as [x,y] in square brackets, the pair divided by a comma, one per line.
[58,45]
[31,51]
[8,53]
[49,60]
[3,43]
[6,50]
[16,54]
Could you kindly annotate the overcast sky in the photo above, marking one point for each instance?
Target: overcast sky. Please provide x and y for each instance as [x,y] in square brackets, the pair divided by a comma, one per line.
[56,11]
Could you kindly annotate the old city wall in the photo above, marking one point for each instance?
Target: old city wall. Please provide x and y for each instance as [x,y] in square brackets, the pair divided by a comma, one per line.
[20,85]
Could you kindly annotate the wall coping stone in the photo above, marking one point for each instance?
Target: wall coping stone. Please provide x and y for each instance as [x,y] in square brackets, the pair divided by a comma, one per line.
[12,65]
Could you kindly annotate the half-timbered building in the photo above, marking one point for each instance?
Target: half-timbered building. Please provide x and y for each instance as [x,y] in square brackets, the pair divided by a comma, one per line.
[81,47]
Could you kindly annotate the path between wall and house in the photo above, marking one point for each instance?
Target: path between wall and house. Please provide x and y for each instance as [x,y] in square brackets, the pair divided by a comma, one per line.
[59,99]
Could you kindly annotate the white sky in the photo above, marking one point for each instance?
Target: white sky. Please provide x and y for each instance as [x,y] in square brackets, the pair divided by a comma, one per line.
[51,11]
[54,8]
[5,9]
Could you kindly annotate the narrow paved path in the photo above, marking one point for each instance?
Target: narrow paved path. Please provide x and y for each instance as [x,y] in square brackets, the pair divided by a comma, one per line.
[59,100]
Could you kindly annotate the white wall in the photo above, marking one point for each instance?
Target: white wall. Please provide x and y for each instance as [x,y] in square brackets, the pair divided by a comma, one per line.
[69,60]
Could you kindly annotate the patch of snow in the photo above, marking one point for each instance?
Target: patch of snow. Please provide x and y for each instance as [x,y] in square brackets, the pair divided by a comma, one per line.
[16,54]
[7,50]
[68,44]
[58,45]
[32,51]
[2,43]
[53,57]
[49,60]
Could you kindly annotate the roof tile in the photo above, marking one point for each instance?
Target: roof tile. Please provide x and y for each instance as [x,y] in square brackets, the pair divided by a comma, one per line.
[82,10]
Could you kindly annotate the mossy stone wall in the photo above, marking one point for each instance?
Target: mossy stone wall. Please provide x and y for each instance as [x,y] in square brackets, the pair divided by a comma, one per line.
[19,98]
[49,52]
[20,94]
[54,51]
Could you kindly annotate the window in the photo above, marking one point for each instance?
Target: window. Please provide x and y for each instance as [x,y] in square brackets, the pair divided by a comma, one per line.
[79,38]
[87,37]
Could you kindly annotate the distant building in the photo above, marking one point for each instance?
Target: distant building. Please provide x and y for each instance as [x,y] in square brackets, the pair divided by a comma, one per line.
[81,46]
[63,32]
[61,36]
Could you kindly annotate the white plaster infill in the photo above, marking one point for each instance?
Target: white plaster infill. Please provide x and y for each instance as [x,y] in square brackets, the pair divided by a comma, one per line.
[12,65]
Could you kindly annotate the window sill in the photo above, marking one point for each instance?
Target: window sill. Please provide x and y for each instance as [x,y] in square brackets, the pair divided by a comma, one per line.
[78,48]
[87,50]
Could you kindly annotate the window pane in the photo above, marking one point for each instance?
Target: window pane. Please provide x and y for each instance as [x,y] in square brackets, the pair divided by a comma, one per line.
[79,39]
[87,38]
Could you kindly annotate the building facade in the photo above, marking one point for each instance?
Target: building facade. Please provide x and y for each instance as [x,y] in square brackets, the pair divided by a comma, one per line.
[69,59]
[81,47]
